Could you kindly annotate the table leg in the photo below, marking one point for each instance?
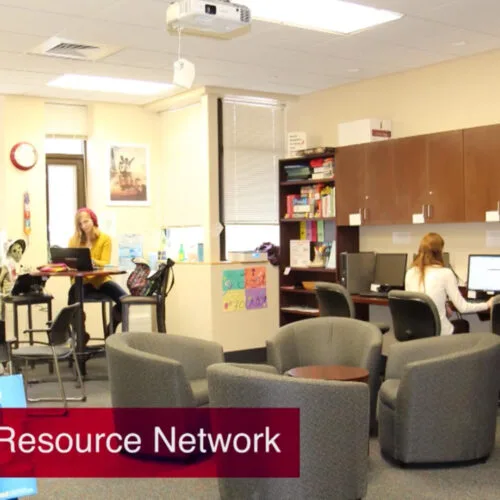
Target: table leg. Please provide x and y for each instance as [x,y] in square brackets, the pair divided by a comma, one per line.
[80,325]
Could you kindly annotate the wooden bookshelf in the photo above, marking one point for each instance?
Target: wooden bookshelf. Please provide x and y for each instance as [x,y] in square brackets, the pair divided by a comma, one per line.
[297,303]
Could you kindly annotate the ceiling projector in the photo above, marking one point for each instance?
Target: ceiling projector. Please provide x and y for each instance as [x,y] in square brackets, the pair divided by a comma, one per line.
[219,18]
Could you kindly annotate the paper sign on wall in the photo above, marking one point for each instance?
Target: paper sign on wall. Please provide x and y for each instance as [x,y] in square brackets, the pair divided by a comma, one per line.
[355,219]
[418,218]
[244,289]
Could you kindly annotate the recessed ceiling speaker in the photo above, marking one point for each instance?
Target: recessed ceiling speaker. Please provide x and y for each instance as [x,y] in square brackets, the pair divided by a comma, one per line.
[184,73]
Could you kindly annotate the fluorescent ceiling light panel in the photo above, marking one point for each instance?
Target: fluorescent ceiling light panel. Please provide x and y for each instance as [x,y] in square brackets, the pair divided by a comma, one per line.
[335,16]
[108,84]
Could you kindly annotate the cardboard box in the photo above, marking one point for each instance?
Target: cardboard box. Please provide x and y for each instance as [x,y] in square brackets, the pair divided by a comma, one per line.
[361,131]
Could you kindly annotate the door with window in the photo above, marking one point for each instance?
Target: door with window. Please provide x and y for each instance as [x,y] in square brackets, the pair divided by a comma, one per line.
[65,194]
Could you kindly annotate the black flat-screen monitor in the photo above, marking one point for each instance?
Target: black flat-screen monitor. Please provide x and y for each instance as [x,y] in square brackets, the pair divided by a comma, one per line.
[390,269]
[483,274]
[75,258]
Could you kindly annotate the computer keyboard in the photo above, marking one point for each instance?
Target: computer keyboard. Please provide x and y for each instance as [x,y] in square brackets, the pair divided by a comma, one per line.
[380,295]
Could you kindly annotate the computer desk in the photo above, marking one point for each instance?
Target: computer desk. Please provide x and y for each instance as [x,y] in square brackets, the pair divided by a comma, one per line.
[362,305]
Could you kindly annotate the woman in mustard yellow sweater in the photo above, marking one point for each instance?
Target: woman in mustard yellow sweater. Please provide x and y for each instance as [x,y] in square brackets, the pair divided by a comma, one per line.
[87,234]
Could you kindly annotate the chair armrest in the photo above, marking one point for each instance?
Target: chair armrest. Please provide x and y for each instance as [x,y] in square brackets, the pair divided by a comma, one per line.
[139,300]
[282,352]
[402,353]
[257,367]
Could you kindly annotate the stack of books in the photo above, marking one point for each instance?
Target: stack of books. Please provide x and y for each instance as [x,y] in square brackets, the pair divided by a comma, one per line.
[313,202]
[322,168]
[297,172]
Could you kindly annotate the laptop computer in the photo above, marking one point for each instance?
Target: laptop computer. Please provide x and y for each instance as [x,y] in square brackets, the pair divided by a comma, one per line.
[75,258]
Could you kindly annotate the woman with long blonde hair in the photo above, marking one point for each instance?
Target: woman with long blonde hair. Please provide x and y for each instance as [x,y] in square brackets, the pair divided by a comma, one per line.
[87,234]
[428,275]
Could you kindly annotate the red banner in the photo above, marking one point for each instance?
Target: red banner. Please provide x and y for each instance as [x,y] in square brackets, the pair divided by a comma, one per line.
[150,442]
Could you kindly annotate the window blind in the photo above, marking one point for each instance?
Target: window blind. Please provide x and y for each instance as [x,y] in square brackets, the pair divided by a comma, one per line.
[253,141]
[65,120]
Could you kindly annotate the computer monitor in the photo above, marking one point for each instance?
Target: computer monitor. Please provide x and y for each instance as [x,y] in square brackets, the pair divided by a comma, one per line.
[390,269]
[446,259]
[75,258]
[484,273]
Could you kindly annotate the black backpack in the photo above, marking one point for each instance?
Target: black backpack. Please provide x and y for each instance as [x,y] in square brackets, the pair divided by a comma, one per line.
[140,284]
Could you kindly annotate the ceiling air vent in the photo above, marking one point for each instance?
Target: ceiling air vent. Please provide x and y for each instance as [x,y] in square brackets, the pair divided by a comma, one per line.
[71,49]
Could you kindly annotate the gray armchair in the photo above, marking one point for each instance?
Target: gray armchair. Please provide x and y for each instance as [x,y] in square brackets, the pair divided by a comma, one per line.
[439,400]
[329,341]
[334,418]
[159,371]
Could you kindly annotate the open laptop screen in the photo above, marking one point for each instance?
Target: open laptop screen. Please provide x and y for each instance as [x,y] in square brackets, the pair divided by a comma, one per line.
[75,258]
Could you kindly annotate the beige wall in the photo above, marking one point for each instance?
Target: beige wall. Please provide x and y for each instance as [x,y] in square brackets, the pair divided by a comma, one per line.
[452,95]
[22,119]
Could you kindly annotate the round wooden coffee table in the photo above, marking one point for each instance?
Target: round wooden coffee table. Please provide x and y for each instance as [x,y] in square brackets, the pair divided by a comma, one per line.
[330,372]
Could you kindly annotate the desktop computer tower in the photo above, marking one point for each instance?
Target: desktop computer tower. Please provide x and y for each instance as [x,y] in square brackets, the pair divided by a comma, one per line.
[356,271]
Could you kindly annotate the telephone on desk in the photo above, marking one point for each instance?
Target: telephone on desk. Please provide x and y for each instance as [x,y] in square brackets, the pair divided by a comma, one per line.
[379,291]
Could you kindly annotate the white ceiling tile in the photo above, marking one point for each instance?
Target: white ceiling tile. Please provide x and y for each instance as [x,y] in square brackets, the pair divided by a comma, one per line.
[86,7]
[17,42]
[269,58]
[480,15]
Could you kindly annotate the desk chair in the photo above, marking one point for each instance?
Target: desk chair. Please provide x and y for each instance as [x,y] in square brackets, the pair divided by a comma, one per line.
[414,315]
[60,345]
[156,300]
[335,300]
[495,315]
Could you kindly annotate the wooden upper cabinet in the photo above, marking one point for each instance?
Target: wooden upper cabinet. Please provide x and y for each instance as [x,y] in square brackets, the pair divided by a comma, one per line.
[482,171]
[379,204]
[410,176]
[350,164]
[445,171]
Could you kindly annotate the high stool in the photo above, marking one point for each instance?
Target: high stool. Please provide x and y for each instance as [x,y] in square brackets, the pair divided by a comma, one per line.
[157,301]
[28,300]
[106,303]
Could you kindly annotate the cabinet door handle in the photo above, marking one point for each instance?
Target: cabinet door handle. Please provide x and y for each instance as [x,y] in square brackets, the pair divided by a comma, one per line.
[423,211]
[365,213]
[429,211]
[498,207]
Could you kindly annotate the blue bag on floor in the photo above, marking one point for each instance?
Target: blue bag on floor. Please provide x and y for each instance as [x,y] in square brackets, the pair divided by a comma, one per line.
[12,395]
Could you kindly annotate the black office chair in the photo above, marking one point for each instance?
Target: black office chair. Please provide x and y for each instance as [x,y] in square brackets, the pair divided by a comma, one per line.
[495,315]
[414,315]
[335,300]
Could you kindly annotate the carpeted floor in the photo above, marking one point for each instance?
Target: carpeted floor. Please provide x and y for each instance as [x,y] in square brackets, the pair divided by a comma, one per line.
[385,482]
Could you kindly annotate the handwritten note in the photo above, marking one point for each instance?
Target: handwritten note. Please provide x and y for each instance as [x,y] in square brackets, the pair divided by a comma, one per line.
[234,300]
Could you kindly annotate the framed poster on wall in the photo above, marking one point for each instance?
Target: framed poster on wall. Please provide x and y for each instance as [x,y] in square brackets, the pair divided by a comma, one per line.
[128,174]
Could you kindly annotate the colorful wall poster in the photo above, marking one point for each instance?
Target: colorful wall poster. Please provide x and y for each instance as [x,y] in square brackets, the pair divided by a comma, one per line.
[244,289]
[233,279]
[234,300]
[255,298]
[255,277]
